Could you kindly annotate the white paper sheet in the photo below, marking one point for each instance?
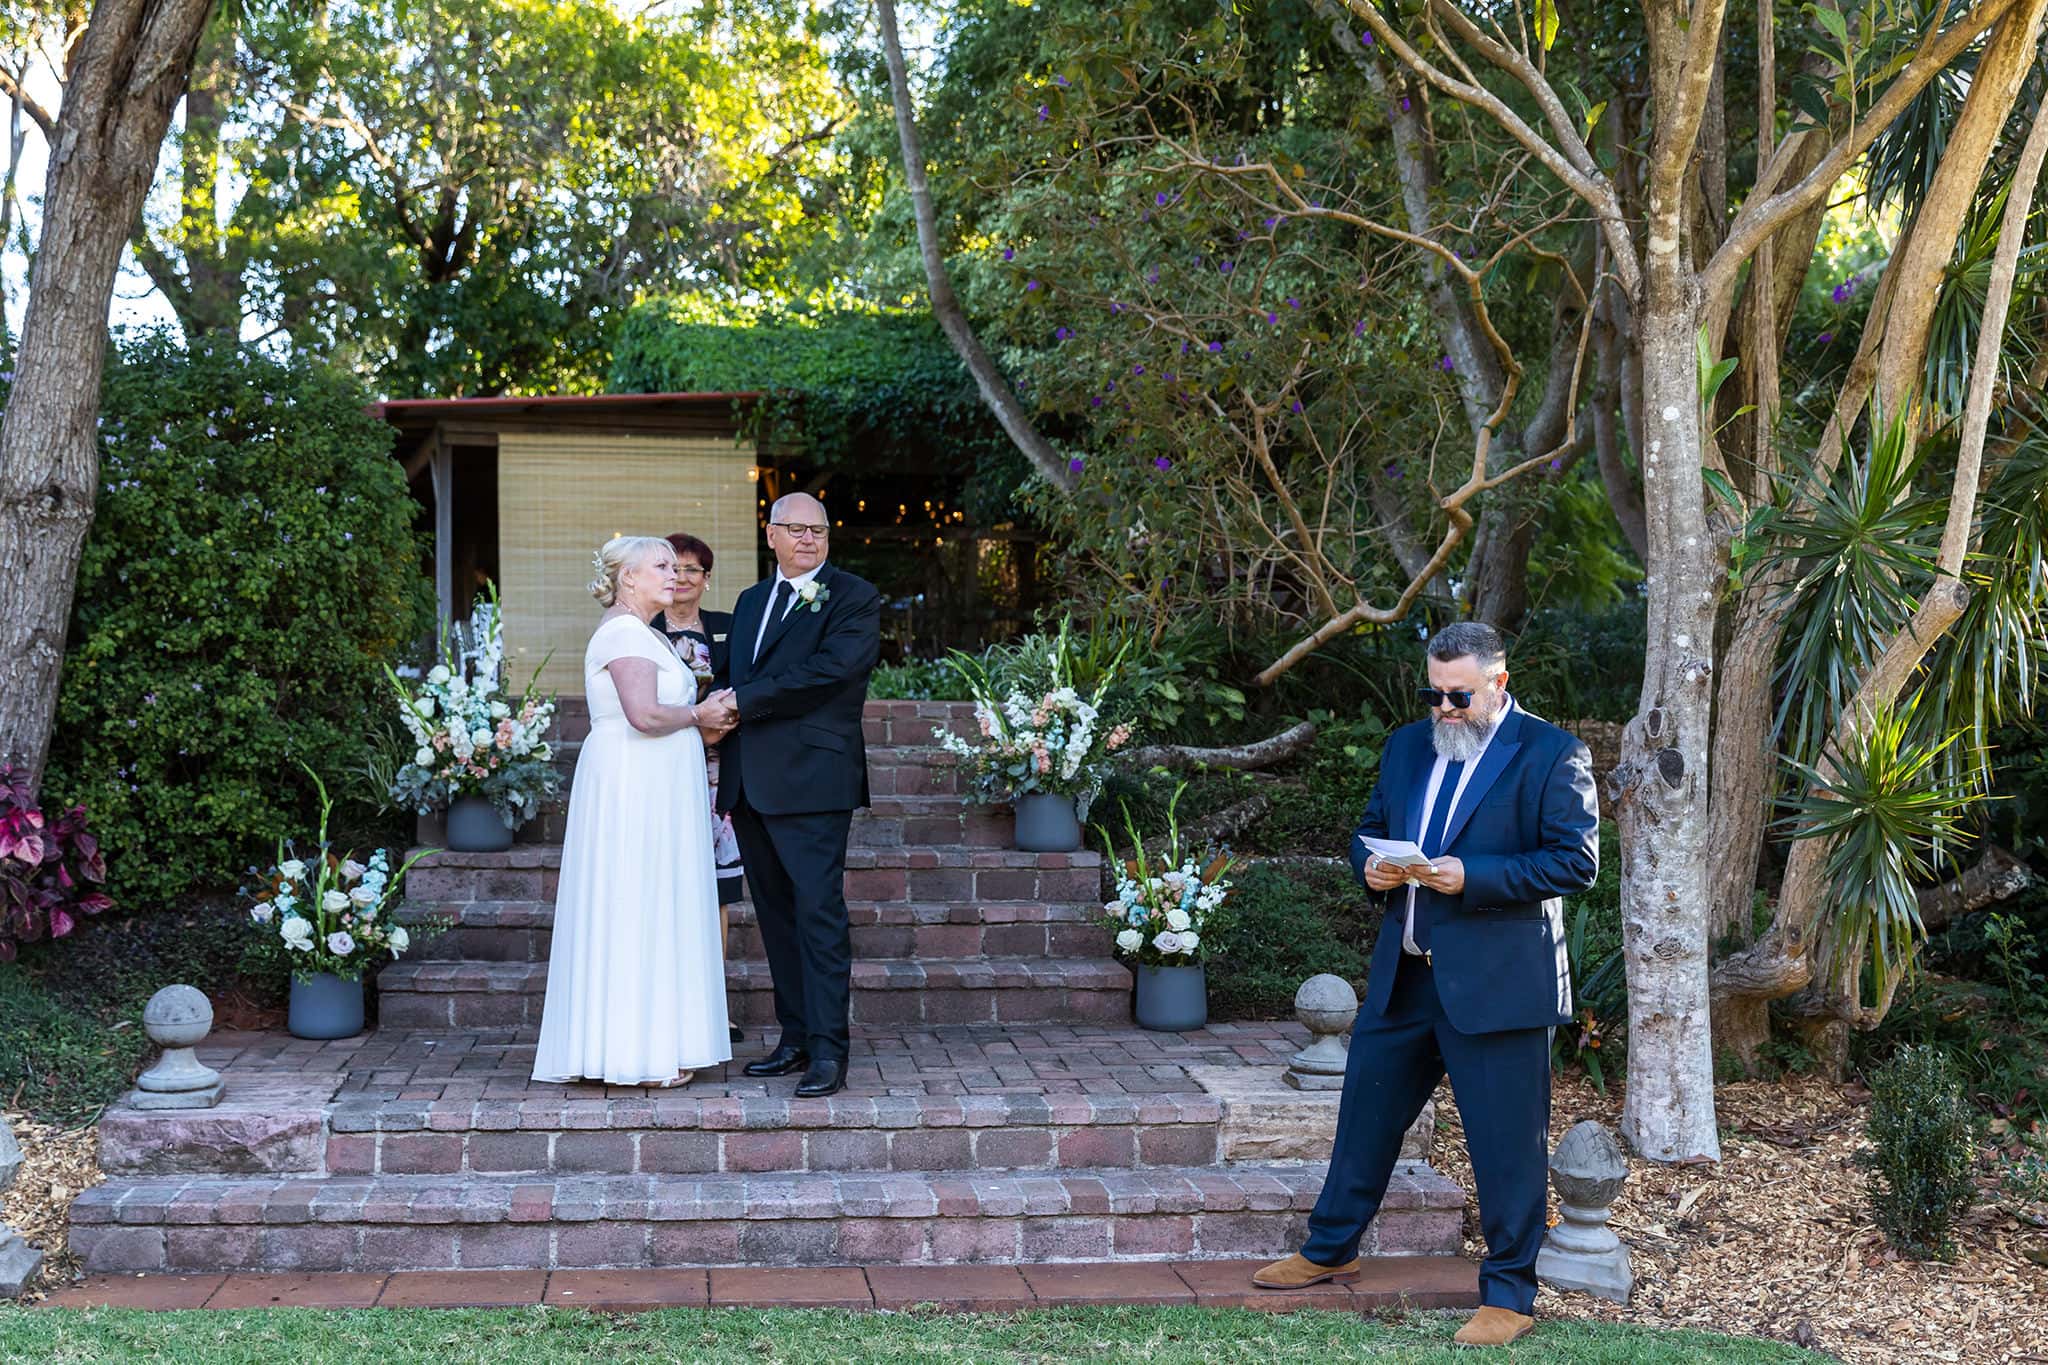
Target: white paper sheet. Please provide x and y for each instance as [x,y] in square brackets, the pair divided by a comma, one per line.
[1398,852]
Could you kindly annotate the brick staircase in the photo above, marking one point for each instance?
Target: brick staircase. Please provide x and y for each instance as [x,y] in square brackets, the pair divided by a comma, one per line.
[1000,1106]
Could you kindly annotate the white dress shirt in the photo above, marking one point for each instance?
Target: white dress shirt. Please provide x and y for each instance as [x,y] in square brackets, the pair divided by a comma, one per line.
[1436,782]
[794,584]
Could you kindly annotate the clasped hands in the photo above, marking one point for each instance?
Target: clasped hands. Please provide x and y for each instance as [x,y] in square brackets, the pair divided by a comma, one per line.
[1446,876]
[717,714]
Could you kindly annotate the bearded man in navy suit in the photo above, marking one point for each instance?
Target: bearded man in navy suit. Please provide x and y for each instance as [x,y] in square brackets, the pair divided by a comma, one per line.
[1470,974]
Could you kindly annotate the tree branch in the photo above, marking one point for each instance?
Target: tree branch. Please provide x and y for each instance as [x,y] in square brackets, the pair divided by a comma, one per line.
[1596,190]
[11,86]
[1762,214]
[1242,758]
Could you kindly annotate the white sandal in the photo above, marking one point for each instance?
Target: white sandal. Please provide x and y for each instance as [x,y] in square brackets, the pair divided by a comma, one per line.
[681,1078]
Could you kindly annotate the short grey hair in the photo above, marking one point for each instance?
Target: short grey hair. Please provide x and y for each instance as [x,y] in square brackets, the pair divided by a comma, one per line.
[1470,640]
[782,503]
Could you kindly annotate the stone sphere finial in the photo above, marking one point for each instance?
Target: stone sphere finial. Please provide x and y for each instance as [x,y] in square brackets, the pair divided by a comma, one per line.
[1582,1252]
[1326,1006]
[177,1019]
[178,1016]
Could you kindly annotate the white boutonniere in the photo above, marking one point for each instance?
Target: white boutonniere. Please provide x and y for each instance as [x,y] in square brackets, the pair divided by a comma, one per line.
[812,595]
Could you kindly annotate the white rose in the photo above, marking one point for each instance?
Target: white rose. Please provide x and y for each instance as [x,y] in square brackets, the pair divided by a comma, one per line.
[1177,920]
[340,944]
[334,901]
[1113,907]
[297,934]
[499,710]
[352,871]
[362,896]
[423,756]
[1167,942]
[1190,942]
[426,707]
[399,941]
[1130,940]
[438,674]
[261,912]
[479,737]
[291,871]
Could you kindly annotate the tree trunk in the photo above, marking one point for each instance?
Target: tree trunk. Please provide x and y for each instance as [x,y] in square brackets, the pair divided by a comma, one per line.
[1499,587]
[1662,777]
[1661,782]
[127,72]
[994,389]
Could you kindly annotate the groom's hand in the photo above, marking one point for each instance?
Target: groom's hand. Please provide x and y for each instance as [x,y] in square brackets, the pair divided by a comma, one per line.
[718,711]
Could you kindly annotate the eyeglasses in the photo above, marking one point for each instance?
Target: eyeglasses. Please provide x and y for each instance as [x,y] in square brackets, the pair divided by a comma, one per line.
[692,571]
[1435,697]
[799,531]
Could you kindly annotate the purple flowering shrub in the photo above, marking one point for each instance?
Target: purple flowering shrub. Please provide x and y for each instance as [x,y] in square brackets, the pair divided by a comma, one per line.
[50,867]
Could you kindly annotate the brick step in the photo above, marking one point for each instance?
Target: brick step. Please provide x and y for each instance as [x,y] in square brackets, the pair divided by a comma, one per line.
[887,992]
[885,722]
[428,1222]
[914,875]
[757,1134]
[887,822]
[520,931]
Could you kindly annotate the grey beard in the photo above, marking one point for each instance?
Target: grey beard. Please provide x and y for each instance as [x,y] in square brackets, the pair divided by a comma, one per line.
[1462,742]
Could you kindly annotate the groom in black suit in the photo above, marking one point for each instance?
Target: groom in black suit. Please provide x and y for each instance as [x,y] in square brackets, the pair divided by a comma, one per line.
[792,771]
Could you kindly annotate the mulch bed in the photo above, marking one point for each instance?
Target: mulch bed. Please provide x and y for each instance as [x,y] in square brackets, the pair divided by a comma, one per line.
[1777,1241]
[57,1165]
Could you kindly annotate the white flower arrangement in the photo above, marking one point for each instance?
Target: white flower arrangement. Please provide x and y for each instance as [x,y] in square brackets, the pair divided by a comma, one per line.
[1166,901]
[328,912]
[470,738]
[812,595]
[1043,734]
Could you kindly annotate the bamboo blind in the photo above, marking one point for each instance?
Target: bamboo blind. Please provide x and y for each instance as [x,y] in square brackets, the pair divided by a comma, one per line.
[562,496]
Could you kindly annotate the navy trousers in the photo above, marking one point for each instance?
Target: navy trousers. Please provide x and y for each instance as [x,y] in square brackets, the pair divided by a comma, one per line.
[1502,1082]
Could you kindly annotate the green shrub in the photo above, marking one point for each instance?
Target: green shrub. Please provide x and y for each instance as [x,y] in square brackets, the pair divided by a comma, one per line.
[1596,1040]
[1923,1141]
[71,1036]
[917,680]
[1286,925]
[251,569]
[1321,802]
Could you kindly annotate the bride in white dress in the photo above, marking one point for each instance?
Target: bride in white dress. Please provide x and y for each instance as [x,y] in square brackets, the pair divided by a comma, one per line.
[636,973]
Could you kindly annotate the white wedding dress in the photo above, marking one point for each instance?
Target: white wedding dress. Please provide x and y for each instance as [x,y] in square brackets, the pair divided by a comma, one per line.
[636,973]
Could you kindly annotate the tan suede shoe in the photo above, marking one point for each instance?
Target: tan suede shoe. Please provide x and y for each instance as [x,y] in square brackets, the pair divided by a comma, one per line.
[1298,1272]
[1492,1326]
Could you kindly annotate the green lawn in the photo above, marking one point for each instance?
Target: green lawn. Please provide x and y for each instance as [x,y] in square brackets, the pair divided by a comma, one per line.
[1197,1336]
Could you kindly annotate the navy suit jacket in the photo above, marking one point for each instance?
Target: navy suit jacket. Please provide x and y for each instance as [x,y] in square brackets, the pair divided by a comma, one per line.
[799,748]
[1528,833]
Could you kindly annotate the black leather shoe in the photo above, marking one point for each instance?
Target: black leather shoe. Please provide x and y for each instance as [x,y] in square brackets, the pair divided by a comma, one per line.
[827,1076]
[780,1062]
[739,1035]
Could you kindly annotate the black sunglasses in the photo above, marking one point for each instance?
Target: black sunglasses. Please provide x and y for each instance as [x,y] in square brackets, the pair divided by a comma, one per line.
[1433,697]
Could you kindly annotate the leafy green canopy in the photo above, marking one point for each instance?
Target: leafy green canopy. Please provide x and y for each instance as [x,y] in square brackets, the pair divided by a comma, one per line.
[853,388]
[251,569]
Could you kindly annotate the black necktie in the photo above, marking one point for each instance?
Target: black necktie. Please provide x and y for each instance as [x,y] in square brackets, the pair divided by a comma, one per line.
[1433,839]
[784,590]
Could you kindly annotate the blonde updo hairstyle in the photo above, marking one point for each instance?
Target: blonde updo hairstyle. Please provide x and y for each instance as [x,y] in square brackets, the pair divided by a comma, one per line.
[614,558]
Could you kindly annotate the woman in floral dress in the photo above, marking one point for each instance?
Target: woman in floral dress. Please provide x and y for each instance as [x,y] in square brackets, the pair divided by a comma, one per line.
[699,639]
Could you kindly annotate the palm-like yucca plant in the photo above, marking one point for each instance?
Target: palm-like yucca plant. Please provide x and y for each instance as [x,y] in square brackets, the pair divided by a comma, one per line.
[1891,813]
[1959,312]
[1985,670]
[1862,542]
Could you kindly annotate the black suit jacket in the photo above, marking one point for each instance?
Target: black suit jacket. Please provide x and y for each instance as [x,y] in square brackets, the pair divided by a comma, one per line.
[1528,833]
[799,746]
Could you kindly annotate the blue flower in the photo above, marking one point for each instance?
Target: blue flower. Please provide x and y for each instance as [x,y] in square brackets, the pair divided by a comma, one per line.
[1074,465]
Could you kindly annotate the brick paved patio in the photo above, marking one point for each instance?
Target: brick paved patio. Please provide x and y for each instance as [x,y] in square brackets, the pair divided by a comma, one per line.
[1001,1107]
